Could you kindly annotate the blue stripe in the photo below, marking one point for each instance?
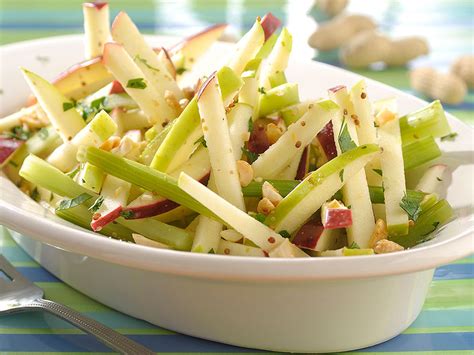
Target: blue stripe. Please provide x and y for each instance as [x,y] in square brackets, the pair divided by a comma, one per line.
[79,342]
[37,274]
[445,318]
[41,320]
[426,342]
[454,272]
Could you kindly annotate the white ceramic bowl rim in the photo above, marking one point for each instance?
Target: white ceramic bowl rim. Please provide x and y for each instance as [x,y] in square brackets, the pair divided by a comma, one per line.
[78,240]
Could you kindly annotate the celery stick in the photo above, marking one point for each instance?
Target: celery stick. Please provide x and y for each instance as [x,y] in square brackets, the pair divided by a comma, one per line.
[318,187]
[43,142]
[275,99]
[81,216]
[419,152]
[155,230]
[428,121]
[91,177]
[426,224]
[143,176]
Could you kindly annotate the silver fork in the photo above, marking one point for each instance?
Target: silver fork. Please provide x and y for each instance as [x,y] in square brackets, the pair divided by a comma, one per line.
[18,294]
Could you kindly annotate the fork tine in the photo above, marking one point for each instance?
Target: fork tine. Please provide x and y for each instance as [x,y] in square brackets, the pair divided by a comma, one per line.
[10,270]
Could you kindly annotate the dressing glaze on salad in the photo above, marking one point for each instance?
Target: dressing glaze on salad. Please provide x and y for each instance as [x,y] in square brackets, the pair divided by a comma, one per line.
[236,163]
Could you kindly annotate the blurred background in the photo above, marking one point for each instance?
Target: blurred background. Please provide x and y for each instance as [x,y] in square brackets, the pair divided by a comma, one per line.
[446,25]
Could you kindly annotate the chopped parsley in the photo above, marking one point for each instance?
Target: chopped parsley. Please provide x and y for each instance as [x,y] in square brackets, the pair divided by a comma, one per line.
[354,245]
[250,125]
[341,175]
[76,201]
[285,234]
[97,203]
[439,179]
[144,61]
[377,171]
[97,104]
[18,132]
[43,133]
[72,174]
[258,216]
[412,206]
[35,194]
[137,83]
[202,141]
[449,137]
[251,156]
[127,214]
[180,70]
[344,138]
[68,105]
[261,90]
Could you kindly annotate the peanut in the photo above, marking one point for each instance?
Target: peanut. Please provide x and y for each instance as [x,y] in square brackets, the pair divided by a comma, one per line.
[334,33]
[369,47]
[446,87]
[464,68]
[265,206]
[384,116]
[110,143]
[386,246]
[380,232]
[269,192]
[245,172]
[331,7]
[273,133]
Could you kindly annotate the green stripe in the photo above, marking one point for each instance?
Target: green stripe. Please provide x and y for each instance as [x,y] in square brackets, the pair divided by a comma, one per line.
[450,294]
[468,260]
[439,330]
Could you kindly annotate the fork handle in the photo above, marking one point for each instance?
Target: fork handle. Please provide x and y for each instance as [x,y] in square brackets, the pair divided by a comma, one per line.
[108,336]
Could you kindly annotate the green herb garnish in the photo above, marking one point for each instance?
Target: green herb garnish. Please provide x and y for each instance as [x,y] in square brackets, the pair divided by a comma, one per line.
[43,133]
[354,245]
[261,90]
[202,141]
[285,234]
[412,206]
[76,201]
[127,214]
[250,125]
[449,137]
[344,138]
[18,132]
[341,175]
[180,70]
[251,156]
[137,83]
[97,203]
[377,171]
[68,105]
[72,174]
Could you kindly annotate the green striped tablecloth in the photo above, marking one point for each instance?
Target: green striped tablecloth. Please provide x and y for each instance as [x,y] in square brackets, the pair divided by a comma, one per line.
[446,324]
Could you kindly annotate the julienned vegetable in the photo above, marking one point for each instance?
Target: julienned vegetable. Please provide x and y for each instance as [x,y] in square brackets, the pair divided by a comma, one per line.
[236,164]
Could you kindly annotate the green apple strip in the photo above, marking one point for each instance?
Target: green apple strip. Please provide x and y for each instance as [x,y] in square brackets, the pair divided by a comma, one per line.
[186,132]
[293,141]
[217,136]
[275,99]
[127,72]
[61,112]
[428,121]
[249,93]
[318,187]
[427,223]
[393,177]
[81,216]
[239,118]
[230,248]
[91,177]
[363,109]
[248,226]
[143,176]
[96,28]
[94,134]
[267,47]
[277,60]
[247,48]
[290,170]
[148,154]
[125,32]
[293,113]
[355,191]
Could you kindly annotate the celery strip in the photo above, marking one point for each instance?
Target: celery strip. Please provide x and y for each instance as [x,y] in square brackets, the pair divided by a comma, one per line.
[428,121]
[142,176]
[426,224]
[419,152]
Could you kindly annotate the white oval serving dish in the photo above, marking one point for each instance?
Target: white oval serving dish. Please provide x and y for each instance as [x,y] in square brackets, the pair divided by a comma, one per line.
[300,305]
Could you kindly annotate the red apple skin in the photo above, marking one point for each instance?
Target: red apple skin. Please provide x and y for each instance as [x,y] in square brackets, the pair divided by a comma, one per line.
[337,88]
[169,63]
[326,139]
[157,207]
[303,166]
[203,87]
[338,218]
[258,141]
[116,88]
[8,146]
[104,219]
[308,235]
[269,24]
[97,5]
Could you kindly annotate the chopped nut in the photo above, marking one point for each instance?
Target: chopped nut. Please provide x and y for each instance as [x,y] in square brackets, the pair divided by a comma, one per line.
[269,192]
[273,133]
[384,116]
[245,172]
[110,143]
[183,103]
[387,246]
[380,233]
[172,101]
[188,93]
[265,206]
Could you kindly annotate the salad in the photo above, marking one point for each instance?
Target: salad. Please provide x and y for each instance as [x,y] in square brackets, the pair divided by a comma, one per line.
[236,164]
